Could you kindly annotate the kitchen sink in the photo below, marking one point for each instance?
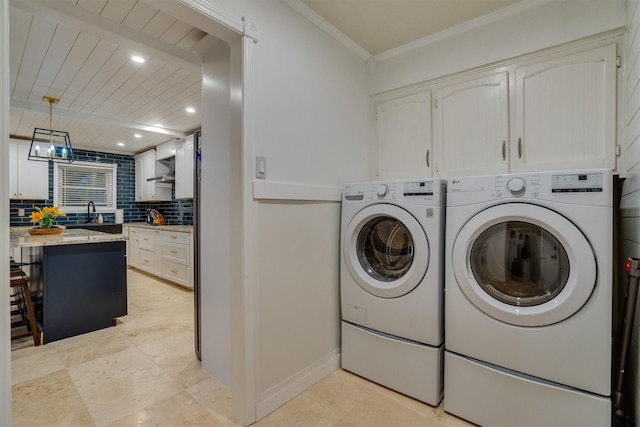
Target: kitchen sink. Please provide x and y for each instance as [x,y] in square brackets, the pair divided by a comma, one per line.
[105,228]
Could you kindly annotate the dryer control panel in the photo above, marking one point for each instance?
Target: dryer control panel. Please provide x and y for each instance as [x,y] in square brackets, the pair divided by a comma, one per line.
[427,191]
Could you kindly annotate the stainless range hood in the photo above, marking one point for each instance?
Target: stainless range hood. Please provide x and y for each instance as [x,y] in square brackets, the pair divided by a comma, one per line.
[165,171]
[170,177]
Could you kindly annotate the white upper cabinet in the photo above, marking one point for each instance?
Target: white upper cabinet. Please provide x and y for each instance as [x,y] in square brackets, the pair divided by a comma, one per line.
[472,126]
[404,148]
[548,113]
[565,112]
[184,169]
[150,191]
[28,179]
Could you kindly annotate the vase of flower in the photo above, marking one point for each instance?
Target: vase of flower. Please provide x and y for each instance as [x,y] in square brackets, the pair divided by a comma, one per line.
[44,217]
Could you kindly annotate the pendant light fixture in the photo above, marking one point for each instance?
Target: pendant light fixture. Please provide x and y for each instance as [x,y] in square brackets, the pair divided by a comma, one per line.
[50,145]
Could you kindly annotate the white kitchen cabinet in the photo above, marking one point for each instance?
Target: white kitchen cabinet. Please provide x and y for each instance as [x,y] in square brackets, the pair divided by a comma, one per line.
[184,169]
[472,126]
[147,167]
[146,250]
[133,254]
[404,148]
[163,253]
[565,112]
[28,179]
[177,258]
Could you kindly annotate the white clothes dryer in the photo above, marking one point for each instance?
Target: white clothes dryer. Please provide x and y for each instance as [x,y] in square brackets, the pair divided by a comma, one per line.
[391,281]
[528,306]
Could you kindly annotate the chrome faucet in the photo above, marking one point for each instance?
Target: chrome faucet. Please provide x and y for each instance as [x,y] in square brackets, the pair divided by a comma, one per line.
[89,215]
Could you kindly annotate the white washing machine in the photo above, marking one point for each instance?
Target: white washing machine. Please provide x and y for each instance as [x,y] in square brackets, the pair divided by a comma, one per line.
[391,284]
[528,306]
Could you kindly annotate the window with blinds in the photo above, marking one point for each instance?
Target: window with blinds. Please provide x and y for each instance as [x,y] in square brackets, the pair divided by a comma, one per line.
[76,184]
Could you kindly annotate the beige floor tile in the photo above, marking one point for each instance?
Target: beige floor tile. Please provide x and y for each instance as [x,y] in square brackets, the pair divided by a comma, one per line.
[115,398]
[180,409]
[172,346]
[110,367]
[186,370]
[77,350]
[39,362]
[50,400]
[214,396]
[144,371]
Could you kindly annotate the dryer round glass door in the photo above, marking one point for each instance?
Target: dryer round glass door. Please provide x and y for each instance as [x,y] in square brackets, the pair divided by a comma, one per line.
[518,263]
[386,250]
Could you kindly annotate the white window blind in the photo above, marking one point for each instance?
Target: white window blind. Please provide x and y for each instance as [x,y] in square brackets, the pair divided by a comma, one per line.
[76,184]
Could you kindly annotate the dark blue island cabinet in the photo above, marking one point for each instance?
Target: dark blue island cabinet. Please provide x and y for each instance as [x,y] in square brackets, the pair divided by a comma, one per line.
[84,288]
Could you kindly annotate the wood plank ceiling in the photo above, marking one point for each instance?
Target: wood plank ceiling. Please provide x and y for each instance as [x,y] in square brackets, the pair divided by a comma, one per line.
[79,51]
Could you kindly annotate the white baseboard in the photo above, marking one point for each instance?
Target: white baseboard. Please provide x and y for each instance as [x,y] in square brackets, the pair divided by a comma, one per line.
[286,390]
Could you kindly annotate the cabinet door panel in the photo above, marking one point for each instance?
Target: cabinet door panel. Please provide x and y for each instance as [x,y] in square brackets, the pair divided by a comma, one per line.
[404,137]
[33,176]
[565,112]
[184,169]
[471,129]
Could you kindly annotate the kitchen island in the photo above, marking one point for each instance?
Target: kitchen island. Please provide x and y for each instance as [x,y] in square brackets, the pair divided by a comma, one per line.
[78,279]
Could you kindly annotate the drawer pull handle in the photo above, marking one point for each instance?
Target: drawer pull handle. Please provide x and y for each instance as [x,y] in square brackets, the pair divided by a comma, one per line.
[173,237]
[504,150]
[174,252]
[174,271]
[145,260]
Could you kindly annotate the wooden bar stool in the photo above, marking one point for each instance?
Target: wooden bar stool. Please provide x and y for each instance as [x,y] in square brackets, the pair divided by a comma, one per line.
[23,307]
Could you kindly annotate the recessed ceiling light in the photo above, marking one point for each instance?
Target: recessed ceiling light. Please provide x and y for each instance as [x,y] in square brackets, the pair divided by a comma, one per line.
[190,110]
[121,144]
[138,59]
[137,135]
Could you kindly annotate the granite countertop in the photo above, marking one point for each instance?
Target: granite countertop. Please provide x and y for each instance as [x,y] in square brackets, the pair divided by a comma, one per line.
[182,228]
[20,237]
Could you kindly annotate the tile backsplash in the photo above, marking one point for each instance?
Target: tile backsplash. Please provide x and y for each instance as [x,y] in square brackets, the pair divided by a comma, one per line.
[178,212]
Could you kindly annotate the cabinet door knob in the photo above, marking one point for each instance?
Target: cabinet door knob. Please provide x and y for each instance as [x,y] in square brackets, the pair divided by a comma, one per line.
[504,150]
[519,148]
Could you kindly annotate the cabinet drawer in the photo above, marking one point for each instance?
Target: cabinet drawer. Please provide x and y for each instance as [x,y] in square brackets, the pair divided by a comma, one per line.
[147,239]
[147,260]
[175,253]
[175,272]
[175,237]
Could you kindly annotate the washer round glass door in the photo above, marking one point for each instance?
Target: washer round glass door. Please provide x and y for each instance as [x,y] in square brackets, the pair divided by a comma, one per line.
[519,264]
[386,250]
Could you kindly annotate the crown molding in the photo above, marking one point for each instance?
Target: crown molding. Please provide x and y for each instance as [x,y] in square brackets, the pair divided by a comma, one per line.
[481,21]
[324,25]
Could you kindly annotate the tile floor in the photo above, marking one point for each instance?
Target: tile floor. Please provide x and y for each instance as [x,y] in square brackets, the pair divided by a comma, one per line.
[143,371]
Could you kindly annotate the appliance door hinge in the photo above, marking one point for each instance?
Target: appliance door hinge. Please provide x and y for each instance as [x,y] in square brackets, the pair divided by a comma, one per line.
[435,103]
[618,150]
[619,61]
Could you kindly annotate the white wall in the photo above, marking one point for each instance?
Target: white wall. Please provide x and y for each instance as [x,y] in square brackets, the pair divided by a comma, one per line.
[215,201]
[629,245]
[5,338]
[310,115]
[530,25]
[307,111]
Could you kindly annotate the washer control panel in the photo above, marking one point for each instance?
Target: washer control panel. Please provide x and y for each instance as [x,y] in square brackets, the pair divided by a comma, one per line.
[516,186]
[582,187]
[577,183]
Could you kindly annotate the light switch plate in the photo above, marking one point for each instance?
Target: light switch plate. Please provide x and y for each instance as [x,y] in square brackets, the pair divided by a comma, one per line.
[261,167]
